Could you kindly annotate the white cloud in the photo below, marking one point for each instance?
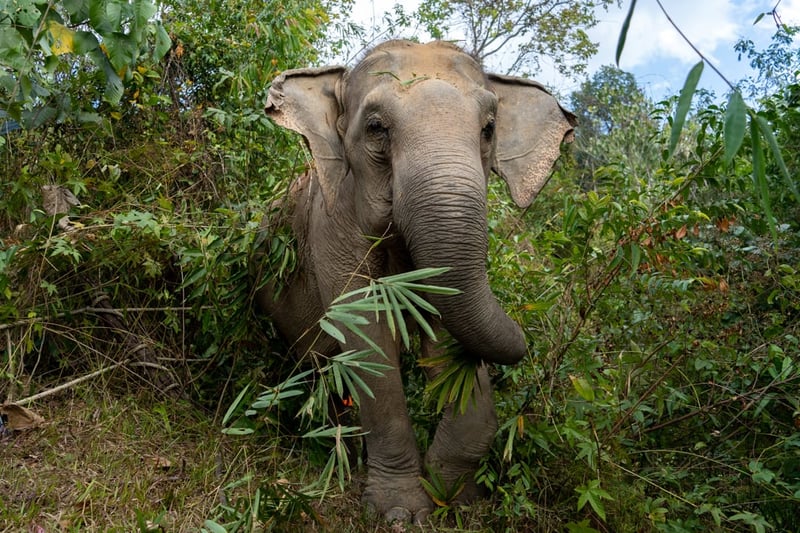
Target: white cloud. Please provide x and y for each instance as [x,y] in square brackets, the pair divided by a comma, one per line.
[651,38]
[789,11]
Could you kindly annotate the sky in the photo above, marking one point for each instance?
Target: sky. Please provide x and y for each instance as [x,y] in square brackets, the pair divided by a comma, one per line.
[654,51]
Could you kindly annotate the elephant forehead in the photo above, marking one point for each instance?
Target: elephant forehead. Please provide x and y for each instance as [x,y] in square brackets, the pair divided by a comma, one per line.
[406,62]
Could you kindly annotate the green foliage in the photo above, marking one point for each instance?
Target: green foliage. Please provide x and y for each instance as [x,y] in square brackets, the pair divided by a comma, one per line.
[43,43]
[615,128]
[649,309]
[656,277]
[777,65]
[388,298]
[532,29]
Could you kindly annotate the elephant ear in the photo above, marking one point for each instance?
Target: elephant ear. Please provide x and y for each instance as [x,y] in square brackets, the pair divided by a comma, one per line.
[531,126]
[305,100]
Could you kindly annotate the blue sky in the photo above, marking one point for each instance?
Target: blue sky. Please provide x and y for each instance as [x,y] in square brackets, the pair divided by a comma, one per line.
[654,52]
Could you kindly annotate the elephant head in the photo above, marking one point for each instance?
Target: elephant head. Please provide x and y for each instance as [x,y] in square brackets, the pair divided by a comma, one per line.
[406,140]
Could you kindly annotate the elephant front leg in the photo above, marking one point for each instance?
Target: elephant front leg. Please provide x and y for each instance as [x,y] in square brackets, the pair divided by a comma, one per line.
[462,438]
[393,488]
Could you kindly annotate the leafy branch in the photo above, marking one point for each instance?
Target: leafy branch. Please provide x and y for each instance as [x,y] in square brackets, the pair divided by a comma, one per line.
[736,122]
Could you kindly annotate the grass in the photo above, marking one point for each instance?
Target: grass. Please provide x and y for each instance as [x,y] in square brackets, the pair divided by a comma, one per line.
[105,461]
[102,463]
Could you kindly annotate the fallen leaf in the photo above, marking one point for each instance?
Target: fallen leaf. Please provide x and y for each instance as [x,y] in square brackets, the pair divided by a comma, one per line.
[159,462]
[18,418]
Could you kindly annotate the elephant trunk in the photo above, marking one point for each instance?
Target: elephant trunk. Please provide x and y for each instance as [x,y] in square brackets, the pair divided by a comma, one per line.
[440,209]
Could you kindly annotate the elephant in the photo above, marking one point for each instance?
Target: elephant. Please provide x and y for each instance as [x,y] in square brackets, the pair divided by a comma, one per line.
[402,147]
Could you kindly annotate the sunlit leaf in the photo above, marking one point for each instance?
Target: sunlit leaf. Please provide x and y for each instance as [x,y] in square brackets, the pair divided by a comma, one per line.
[735,125]
[684,104]
[163,43]
[235,405]
[766,131]
[62,38]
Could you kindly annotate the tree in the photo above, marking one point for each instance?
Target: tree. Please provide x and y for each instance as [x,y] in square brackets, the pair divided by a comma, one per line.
[534,29]
[614,125]
[778,65]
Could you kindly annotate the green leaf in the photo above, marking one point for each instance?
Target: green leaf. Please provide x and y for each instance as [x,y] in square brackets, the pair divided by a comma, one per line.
[416,314]
[684,104]
[623,34]
[766,131]
[583,388]
[122,50]
[592,494]
[213,527]
[336,313]
[735,125]
[636,256]
[413,275]
[760,177]
[332,330]
[235,405]
[394,313]
[114,87]
[85,42]
[237,431]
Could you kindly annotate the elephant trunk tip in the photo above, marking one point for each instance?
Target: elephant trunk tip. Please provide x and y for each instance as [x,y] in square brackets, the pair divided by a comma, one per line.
[498,340]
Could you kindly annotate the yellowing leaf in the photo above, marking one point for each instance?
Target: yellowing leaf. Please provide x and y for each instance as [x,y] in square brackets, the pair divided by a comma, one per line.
[583,388]
[62,38]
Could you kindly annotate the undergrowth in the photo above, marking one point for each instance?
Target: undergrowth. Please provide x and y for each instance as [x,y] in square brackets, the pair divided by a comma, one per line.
[660,295]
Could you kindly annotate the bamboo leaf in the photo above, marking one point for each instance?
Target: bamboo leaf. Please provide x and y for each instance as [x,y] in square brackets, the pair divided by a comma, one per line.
[623,34]
[684,104]
[735,125]
[432,289]
[414,312]
[760,177]
[235,405]
[351,388]
[766,131]
[413,275]
[337,380]
[388,308]
[354,382]
[397,309]
[467,393]
[419,301]
[346,318]
[355,292]
[363,336]
[332,330]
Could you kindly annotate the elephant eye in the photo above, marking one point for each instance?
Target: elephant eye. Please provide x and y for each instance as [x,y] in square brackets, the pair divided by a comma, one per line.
[488,130]
[376,128]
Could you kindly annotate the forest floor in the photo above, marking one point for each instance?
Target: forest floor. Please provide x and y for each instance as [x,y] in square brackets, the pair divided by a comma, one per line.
[111,461]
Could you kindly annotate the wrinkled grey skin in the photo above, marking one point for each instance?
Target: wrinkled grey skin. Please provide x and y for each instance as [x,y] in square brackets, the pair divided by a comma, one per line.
[403,146]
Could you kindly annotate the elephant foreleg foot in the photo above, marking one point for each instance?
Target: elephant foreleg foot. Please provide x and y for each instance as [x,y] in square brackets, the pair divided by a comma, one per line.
[398,499]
